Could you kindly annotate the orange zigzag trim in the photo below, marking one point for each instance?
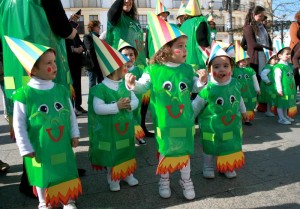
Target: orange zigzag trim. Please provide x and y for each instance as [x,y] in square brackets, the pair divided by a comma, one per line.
[146,98]
[62,192]
[72,90]
[230,162]
[139,132]
[171,164]
[250,115]
[123,170]
[292,111]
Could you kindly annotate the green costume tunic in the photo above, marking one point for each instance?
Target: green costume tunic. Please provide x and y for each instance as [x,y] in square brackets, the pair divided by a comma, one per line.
[27,20]
[244,76]
[130,31]
[48,125]
[171,108]
[288,87]
[194,55]
[268,91]
[111,136]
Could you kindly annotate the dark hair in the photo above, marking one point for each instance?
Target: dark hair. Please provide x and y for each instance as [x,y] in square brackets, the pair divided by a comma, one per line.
[130,47]
[273,57]
[133,12]
[92,24]
[283,50]
[250,19]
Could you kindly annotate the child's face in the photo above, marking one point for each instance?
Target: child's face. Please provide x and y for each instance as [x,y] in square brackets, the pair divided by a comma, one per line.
[285,55]
[178,50]
[221,69]
[122,71]
[129,53]
[46,68]
[273,61]
[243,63]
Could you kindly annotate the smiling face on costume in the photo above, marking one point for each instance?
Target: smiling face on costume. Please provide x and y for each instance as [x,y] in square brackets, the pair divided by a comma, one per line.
[178,50]
[129,53]
[221,68]
[45,68]
[127,5]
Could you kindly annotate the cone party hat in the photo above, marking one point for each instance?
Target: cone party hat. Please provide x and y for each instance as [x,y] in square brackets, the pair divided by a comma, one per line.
[269,54]
[193,8]
[160,8]
[240,53]
[216,51]
[181,10]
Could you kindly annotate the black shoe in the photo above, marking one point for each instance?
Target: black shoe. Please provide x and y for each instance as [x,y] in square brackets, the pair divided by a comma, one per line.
[149,134]
[81,172]
[79,109]
[247,123]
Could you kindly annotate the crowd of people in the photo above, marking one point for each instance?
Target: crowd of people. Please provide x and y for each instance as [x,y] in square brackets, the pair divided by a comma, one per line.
[180,71]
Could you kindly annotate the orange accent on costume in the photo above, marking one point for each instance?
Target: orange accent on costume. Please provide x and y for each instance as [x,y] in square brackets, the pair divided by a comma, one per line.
[123,170]
[146,98]
[171,164]
[139,132]
[250,115]
[292,111]
[274,110]
[61,193]
[230,162]
[72,92]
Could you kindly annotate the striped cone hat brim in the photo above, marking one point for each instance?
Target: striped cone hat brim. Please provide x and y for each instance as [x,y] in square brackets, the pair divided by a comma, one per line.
[240,53]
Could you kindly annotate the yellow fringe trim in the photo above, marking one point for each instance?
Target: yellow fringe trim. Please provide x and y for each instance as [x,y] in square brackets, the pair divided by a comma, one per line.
[146,98]
[139,132]
[230,162]
[292,111]
[250,115]
[122,170]
[171,164]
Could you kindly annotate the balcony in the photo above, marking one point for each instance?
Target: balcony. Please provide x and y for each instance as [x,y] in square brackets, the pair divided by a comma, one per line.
[223,28]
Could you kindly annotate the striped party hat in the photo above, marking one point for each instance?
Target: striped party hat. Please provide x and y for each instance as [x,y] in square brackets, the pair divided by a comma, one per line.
[216,51]
[209,17]
[230,51]
[109,58]
[123,44]
[160,8]
[26,52]
[162,32]
[223,44]
[181,10]
[269,54]
[193,8]
[278,45]
[240,53]
[205,53]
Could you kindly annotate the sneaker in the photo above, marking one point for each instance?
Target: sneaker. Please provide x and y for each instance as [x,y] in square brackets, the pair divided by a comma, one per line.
[3,166]
[188,189]
[164,188]
[269,114]
[290,119]
[208,173]
[230,175]
[70,206]
[131,181]
[142,142]
[114,186]
[43,206]
[284,121]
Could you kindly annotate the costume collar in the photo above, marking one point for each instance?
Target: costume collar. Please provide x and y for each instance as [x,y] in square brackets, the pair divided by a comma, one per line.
[40,84]
[172,64]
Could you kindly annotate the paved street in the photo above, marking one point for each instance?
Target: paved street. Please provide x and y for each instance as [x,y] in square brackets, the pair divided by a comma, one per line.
[270,178]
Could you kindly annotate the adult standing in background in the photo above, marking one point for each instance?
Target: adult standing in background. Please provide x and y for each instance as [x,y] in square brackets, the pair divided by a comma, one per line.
[295,46]
[95,74]
[257,38]
[123,24]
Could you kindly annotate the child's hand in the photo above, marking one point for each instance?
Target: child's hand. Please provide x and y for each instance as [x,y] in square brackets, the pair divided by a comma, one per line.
[124,103]
[202,75]
[280,93]
[245,116]
[31,155]
[75,142]
[130,80]
[258,92]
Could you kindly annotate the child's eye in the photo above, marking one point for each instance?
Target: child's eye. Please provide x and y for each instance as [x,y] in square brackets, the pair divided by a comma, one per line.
[167,85]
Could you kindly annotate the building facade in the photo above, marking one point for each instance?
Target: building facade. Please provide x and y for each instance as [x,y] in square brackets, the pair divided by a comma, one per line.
[97,10]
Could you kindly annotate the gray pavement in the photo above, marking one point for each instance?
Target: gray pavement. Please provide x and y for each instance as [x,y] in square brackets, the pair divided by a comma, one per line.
[270,178]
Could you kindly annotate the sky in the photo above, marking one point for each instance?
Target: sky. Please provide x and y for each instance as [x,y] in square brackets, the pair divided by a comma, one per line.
[286,9]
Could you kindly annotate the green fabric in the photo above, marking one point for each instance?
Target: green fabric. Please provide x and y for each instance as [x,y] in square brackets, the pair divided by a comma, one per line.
[244,76]
[111,136]
[220,121]
[288,87]
[194,55]
[171,108]
[268,91]
[137,112]
[54,162]
[130,31]
[27,20]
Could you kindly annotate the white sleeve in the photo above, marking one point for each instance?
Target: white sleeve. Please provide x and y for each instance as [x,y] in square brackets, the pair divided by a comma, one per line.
[255,83]
[278,72]
[20,129]
[264,75]
[198,104]
[134,102]
[74,125]
[101,108]
[198,85]
[242,106]
[142,85]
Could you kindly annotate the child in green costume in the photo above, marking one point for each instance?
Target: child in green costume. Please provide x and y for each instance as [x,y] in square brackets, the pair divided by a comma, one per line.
[46,128]
[110,119]
[170,81]
[220,105]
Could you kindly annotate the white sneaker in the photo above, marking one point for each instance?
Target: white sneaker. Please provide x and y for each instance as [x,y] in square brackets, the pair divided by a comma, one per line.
[43,206]
[230,175]
[131,181]
[269,114]
[164,188]
[114,186]
[290,119]
[70,206]
[284,121]
[208,173]
[188,189]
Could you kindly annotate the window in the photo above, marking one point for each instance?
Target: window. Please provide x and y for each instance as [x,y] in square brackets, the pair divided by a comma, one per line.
[93,17]
[143,21]
[80,28]
[78,3]
[176,3]
[141,3]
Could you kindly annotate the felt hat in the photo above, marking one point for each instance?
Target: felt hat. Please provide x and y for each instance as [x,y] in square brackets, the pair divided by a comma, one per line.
[162,32]
[181,10]
[216,51]
[240,53]
[193,8]
[26,52]
[160,8]
[108,58]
